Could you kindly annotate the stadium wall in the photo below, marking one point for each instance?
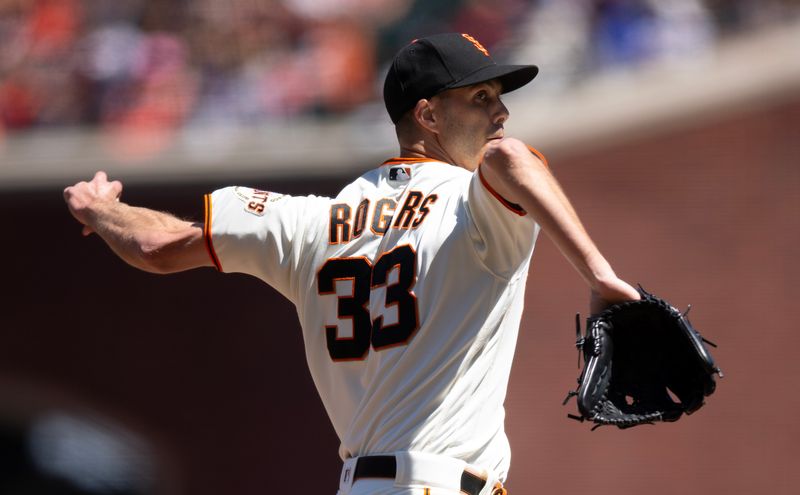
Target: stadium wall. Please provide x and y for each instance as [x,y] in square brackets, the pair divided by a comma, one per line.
[209,368]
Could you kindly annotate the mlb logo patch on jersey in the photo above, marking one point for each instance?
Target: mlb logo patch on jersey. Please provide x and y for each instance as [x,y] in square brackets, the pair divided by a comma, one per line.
[400,174]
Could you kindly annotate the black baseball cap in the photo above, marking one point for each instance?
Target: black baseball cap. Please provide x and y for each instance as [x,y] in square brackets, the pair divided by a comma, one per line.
[428,66]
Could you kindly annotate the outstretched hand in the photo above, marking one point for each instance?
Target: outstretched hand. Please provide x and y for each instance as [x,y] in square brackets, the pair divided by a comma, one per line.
[83,196]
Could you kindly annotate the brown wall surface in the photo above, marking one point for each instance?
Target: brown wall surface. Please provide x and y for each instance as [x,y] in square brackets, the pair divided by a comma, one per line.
[210,367]
[706,216]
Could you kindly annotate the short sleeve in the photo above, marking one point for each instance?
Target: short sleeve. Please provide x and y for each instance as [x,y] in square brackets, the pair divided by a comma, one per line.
[503,233]
[262,233]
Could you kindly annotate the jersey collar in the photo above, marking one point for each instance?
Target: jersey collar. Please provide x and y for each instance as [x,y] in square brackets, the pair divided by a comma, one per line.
[410,161]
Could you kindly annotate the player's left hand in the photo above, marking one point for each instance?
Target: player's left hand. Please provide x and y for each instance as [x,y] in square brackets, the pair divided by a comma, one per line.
[82,197]
[609,292]
[661,366]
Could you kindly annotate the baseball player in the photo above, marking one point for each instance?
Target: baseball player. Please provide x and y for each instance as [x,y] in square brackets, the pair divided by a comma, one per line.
[409,284]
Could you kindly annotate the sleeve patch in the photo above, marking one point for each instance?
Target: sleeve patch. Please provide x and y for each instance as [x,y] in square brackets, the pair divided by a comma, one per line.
[255,200]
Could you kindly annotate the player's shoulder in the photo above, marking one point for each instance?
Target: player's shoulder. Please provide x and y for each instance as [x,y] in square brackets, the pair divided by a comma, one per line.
[365,182]
[443,178]
[260,201]
[399,174]
[421,170]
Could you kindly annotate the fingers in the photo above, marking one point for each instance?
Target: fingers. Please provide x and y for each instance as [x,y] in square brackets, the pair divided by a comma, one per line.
[99,187]
[83,197]
[101,179]
[71,190]
[116,186]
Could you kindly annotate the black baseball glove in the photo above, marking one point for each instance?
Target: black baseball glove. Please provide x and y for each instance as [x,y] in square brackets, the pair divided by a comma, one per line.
[643,362]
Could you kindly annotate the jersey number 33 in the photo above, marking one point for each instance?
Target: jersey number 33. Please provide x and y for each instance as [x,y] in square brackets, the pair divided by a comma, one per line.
[366,277]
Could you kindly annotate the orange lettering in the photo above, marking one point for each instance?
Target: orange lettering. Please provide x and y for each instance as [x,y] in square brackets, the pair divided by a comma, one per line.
[476,43]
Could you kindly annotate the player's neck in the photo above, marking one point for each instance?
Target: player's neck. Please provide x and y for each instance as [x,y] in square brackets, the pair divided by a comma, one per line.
[412,152]
[426,148]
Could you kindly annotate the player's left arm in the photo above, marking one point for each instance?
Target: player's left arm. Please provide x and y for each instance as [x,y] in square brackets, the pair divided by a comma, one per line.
[150,240]
[523,178]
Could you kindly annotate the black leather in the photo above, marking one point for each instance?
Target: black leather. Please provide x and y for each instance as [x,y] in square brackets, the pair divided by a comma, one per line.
[636,354]
[376,466]
[385,466]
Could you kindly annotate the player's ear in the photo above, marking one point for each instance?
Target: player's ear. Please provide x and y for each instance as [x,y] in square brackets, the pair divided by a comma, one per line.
[424,115]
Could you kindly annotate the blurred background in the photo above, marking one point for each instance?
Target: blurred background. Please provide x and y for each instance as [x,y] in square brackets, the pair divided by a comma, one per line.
[673,126]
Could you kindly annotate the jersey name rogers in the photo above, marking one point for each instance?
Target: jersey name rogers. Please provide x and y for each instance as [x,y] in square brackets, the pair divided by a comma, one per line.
[348,222]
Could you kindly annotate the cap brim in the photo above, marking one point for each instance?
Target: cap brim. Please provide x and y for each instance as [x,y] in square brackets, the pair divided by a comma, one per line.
[511,77]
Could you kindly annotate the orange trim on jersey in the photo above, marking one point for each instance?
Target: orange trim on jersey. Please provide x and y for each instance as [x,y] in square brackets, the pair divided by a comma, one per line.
[207,233]
[406,160]
[499,490]
[539,155]
[508,204]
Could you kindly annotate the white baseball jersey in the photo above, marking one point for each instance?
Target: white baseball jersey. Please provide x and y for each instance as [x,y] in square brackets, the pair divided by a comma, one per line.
[409,287]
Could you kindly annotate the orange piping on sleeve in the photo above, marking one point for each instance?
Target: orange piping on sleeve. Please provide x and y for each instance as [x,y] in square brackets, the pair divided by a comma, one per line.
[539,155]
[207,233]
[508,204]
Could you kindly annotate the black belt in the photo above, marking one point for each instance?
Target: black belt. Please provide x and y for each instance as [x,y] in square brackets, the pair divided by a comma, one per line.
[385,466]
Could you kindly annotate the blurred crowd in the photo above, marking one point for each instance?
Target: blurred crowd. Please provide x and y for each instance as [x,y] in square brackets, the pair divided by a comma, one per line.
[169,64]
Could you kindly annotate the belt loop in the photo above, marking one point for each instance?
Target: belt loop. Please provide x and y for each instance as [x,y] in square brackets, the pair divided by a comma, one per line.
[347,475]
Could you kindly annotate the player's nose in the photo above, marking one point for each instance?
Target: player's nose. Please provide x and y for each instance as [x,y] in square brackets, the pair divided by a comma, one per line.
[500,113]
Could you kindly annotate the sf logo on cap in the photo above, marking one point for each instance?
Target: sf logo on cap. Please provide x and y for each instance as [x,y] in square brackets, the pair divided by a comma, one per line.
[476,43]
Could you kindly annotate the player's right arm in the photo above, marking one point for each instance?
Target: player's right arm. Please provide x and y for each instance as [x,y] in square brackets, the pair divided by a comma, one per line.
[150,240]
[522,178]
